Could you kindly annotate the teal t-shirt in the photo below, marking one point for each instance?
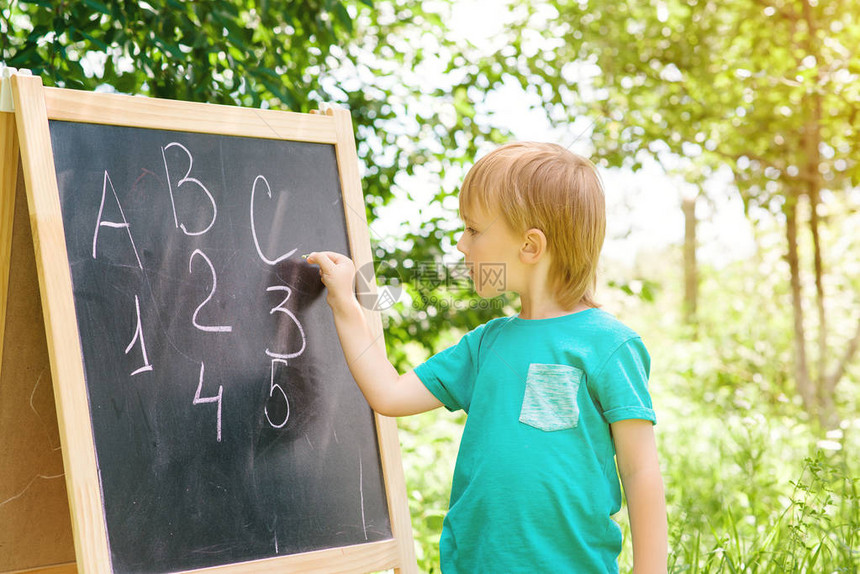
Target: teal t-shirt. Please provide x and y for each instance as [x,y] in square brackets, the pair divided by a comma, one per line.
[535,484]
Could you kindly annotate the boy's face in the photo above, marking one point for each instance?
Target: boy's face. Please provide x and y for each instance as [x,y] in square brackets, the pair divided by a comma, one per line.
[492,250]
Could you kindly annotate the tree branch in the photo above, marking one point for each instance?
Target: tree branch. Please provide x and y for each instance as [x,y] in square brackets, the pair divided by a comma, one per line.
[840,369]
[762,160]
[785,14]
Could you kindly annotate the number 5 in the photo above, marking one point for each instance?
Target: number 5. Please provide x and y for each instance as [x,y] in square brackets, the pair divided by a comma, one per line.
[272,387]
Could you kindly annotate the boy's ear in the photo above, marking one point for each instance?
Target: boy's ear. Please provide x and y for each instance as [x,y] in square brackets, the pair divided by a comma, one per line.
[534,246]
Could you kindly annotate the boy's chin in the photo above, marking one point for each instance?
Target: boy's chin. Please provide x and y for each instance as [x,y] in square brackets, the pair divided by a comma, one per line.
[486,292]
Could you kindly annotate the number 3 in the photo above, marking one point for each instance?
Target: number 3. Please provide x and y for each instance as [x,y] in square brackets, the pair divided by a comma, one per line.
[281,309]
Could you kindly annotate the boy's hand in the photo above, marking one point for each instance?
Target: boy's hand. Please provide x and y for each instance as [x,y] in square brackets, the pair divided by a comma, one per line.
[337,272]
[387,392]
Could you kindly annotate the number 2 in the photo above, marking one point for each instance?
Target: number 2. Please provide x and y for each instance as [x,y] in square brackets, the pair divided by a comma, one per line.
[210,328]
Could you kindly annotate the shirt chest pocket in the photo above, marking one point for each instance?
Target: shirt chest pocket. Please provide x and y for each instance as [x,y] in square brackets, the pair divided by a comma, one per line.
[549,402]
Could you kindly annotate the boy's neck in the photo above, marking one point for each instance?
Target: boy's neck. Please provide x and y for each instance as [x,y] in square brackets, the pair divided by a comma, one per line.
[537,297]
[546,308]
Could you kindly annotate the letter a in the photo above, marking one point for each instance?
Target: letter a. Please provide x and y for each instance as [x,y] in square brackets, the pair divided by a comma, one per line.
[113,224]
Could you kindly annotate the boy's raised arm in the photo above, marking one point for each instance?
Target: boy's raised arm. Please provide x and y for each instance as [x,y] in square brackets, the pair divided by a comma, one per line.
[388,392]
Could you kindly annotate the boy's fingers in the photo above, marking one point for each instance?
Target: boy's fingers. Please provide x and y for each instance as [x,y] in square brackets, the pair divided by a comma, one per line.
[336,258]
[320,259]
[327,260]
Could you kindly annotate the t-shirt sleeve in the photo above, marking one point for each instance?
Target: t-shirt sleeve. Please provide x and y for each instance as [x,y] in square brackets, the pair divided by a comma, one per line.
[621,386]
[450,374]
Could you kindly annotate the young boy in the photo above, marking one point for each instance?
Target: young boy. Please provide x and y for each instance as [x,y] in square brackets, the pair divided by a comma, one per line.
[554,395]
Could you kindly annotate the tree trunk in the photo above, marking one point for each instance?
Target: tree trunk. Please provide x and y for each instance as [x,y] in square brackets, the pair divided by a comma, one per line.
[691,274]
[826,416]
[812,180]
[801,370]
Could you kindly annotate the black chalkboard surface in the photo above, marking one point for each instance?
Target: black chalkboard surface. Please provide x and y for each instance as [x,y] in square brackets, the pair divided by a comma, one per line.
[226,424]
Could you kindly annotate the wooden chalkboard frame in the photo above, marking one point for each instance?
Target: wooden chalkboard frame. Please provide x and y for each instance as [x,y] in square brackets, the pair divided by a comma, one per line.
[34,106]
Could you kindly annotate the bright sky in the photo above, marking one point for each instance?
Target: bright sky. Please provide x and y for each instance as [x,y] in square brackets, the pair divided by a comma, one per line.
[643,208]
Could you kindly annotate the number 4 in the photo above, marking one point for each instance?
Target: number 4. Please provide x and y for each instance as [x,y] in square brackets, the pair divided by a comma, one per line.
[216,399]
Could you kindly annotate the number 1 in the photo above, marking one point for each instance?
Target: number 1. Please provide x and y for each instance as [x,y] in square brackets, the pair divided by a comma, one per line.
[138,335]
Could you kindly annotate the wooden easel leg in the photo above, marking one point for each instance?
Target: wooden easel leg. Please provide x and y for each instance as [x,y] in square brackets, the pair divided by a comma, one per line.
[35,525]
[8,185]
[58,569]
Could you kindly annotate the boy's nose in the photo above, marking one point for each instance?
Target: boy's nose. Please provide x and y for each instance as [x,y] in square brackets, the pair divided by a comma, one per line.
[460,247]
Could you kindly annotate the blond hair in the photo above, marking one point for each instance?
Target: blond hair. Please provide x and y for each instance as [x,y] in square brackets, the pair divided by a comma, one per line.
[545,186]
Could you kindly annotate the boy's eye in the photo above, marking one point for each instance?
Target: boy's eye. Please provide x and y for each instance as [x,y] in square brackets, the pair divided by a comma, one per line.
[471,230]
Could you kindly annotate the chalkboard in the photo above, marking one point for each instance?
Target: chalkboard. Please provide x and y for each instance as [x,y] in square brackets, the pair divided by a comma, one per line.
[225,426]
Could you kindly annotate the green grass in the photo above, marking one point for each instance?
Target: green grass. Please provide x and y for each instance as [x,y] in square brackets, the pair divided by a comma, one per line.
[752,494]
[745,492]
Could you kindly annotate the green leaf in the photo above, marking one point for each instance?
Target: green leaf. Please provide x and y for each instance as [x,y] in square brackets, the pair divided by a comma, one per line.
[98,6]
[170,48]
[43,3]
[95,41]
[343,16]
[126,83]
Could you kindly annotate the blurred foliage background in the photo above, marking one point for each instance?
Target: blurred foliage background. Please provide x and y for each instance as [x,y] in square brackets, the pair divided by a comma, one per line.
[755,371]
